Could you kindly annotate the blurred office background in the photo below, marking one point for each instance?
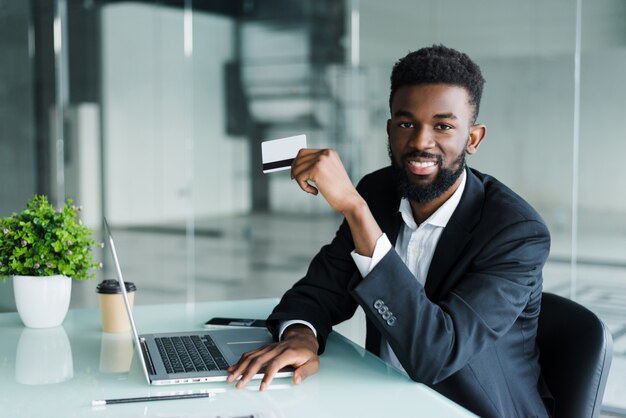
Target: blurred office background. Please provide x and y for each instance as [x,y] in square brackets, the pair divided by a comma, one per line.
[152,114]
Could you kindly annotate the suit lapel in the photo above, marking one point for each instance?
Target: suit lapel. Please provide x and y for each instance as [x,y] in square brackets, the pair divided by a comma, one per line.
[392,229]
[385,208]
[456,233]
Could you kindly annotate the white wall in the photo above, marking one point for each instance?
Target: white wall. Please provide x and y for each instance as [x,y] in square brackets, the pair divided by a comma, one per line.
[602,137]
[154,101]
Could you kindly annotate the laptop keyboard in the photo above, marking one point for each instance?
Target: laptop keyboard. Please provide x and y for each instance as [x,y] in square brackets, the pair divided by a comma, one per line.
[194,353]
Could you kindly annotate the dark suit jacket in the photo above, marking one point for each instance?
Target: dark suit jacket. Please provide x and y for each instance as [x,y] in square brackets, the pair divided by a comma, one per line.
[469,333]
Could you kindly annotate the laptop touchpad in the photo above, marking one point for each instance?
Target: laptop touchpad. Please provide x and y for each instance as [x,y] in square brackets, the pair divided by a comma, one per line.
[239,348]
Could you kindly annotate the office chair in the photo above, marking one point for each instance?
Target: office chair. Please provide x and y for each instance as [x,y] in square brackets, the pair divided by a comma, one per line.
[575,352]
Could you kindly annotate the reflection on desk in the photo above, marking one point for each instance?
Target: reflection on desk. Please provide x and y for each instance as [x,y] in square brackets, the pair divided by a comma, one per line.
[116,352]
[43,357]
[78,363]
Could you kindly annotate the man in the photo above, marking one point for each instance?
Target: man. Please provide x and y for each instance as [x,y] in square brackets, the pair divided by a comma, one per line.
[445,261]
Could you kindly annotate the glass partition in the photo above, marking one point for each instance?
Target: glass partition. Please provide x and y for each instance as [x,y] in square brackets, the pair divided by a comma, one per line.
[151,113]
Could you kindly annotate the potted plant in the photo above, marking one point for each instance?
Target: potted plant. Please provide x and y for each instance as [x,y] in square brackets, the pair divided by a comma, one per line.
[43,248]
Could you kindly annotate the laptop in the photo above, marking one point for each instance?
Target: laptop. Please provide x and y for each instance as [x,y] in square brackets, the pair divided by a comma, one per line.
[190,357]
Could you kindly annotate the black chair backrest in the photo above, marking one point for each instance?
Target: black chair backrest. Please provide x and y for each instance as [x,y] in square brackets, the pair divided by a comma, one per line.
[576,349]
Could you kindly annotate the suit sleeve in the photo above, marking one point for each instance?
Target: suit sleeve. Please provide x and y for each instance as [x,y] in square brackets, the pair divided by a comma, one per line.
[321,297]
[434,340]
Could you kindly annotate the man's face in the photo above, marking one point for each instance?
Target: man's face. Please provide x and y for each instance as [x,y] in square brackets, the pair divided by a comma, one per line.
[430,131]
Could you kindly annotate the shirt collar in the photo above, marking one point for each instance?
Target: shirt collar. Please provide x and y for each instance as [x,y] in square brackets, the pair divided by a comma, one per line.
[441,216]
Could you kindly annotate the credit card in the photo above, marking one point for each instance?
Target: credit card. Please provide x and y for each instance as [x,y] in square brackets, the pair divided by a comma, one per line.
[278,154]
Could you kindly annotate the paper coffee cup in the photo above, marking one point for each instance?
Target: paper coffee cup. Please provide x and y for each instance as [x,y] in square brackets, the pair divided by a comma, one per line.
[112,309]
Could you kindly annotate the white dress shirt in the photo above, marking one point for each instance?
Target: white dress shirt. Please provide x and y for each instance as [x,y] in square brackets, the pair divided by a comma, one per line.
[415,245]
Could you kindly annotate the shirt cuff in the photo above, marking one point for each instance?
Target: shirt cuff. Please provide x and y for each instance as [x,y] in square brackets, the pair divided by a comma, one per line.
[284,324]
[367,264]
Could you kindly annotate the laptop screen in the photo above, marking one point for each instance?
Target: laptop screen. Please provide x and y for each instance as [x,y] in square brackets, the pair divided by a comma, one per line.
[129,312]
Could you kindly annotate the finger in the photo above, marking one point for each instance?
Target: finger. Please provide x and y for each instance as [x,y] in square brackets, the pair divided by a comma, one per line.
[254,366]
[306,370]
[302,175]
[248,374]
[304,366]
[302,179]
[237,369]
[245,377]
[267,378]
[307,187]
[307,160]
[305,157]
[302,166]
[274,367]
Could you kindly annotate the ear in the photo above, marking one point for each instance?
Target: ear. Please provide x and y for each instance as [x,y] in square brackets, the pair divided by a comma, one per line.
[476,135]
[388,124]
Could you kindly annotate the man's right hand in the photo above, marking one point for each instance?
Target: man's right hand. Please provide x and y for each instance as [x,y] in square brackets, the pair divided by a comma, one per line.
[298,349]
[324,168]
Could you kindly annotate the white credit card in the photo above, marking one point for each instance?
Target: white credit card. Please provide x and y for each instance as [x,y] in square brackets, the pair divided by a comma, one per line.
[278,154]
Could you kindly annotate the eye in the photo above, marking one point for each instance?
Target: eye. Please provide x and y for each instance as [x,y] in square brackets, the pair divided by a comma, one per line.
[406,125]
[443,127]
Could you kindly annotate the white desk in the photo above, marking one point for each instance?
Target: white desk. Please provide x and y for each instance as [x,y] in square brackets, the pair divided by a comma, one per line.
[59,371]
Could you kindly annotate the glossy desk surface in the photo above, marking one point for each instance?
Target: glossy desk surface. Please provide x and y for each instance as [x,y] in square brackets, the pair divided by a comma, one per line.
[59,371]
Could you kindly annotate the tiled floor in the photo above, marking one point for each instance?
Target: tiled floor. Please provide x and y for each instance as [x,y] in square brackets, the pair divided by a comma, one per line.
[261,256]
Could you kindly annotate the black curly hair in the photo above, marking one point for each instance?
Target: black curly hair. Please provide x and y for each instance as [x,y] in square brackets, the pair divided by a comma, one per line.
[439,64]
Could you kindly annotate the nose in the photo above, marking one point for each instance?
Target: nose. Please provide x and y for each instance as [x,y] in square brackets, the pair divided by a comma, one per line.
[422,139]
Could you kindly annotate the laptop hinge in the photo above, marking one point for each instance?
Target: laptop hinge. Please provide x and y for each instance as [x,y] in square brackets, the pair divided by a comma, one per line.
[147,357]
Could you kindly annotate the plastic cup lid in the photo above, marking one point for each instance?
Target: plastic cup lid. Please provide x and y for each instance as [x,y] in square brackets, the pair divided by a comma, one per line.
[112,286]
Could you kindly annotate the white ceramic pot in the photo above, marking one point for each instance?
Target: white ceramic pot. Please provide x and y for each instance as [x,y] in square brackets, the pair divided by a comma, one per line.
[42,302]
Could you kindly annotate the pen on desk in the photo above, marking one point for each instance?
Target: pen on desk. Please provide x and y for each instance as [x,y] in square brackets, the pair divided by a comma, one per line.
[152,398]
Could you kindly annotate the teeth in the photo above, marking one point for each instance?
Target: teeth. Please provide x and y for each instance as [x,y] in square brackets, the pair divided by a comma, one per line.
[422,165]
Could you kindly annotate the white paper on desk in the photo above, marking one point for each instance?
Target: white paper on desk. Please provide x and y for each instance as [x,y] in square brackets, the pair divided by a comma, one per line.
[278,154]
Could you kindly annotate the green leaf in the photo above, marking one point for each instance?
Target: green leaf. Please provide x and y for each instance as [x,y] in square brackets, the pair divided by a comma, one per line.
[48,234]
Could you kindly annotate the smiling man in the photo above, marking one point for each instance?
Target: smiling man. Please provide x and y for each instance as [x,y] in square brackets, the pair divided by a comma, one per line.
[445,261]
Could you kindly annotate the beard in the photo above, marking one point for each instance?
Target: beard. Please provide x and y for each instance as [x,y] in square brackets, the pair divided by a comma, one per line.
[419,193]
